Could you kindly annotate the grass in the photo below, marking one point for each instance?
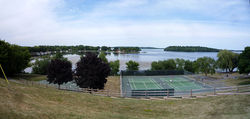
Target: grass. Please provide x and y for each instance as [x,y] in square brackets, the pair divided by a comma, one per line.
[233,82]
[33,102]
[113,83]
[30,77]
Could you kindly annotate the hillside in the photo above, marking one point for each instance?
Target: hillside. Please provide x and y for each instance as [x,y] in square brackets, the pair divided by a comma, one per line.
[34,102]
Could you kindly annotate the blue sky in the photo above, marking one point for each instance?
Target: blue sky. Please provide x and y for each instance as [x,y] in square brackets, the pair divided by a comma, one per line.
[221,24]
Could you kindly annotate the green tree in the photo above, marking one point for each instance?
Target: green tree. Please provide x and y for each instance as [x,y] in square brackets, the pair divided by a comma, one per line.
[156,66]
[168,64]
[13,58]
[244,61]
[164,65]
[189,66]
[91,72]
[205,65]
[41,66]
[102,55]
[132,65]
[180,63]
[227,60]
[114,65]
[59,71]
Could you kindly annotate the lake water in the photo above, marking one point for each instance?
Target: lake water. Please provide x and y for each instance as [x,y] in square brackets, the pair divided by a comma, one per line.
[146,57]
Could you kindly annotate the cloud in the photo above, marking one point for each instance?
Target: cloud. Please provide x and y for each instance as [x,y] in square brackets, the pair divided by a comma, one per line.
[159,23]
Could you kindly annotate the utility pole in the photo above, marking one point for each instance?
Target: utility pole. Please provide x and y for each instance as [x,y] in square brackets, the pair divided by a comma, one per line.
[4,74]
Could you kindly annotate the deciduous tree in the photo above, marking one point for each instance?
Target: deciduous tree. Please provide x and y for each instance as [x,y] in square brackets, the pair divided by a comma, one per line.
[91,72]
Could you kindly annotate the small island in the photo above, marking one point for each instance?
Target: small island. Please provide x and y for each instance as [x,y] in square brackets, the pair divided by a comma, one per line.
[190,49]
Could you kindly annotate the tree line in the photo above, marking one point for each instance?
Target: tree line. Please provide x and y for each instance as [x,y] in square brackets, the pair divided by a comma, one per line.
[227,61]
[190,49]
[81,48]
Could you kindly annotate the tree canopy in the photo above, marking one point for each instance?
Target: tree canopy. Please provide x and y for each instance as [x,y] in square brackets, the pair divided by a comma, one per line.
[60,71]
[164,65]
[190,49]
[102,55]
[13,58]
[41,66]
[205,65]
[227,60]
[132,65]
[244,61]
[114,65]
[189,66]
[91,72]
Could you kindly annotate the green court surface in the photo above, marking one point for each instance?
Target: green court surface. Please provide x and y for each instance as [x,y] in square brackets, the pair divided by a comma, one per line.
[143,84]
[178,83]
[181,83]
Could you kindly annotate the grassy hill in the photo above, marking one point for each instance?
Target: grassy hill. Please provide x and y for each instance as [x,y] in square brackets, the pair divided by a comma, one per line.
[34,102]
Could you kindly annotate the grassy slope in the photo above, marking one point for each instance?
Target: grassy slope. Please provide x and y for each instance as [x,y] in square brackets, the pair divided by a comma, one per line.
[20,101]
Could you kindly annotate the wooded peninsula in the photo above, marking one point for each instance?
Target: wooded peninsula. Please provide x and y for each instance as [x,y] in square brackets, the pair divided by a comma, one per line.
[190,49]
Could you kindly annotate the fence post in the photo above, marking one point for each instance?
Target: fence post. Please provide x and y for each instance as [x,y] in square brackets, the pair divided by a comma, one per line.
[168,93]
[214,91]
[108,92]
[191,95]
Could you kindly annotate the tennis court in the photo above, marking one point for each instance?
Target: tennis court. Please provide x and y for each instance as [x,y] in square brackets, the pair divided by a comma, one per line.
[176,83]
[181,83]
[143,83]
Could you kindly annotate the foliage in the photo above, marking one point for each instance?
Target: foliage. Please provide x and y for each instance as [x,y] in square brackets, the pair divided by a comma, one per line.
[105,48]
[244,61]
[205,65]
[227,60]
[189,66]
[127,49]
[102,55]
[132,65]
[180,63]
[164,65]
[114,65]
[67,49]
[13,58]
[190,49]
[60,71]
[91,72]
[41,66]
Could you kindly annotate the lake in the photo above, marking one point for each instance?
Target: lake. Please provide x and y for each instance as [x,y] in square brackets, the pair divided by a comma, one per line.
[145,57]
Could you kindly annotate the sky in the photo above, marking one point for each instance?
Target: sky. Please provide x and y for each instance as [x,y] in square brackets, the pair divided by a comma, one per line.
[223,24]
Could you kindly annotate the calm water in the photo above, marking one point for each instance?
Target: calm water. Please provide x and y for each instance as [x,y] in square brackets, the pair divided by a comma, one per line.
[146,57]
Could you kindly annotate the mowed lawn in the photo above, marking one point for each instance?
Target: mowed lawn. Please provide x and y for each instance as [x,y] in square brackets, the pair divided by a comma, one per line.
[33,102]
